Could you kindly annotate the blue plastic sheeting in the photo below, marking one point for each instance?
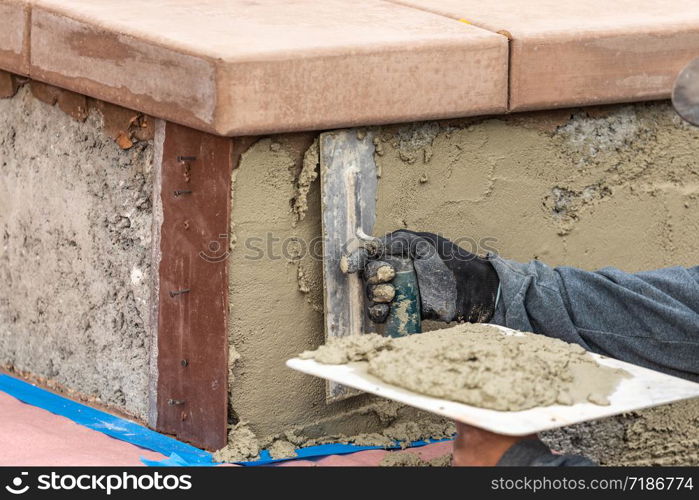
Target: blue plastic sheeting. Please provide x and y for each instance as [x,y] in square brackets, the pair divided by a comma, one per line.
[324,450]
[178,453]
[308,453]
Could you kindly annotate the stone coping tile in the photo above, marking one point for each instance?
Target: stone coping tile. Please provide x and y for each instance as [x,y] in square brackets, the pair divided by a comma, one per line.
[235,67]
[14,36]
[569,53]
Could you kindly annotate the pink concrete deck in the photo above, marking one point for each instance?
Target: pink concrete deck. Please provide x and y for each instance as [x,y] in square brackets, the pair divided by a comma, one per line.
[234,67]
[31,436]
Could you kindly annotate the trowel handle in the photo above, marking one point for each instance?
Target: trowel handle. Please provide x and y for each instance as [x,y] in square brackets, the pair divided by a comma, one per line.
[404,318]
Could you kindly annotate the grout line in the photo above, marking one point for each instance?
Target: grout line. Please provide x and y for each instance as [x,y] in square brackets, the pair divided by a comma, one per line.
[474,24]
[27,41]
[508,35]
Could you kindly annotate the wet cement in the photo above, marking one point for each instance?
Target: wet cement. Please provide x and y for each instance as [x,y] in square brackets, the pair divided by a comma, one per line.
[380,423]
[405,459]
[242,445]
[480,366]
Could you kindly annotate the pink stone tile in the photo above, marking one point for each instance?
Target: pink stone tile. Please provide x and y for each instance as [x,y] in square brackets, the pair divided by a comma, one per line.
[236,67]
[567,52]
[31,436]
[14,36]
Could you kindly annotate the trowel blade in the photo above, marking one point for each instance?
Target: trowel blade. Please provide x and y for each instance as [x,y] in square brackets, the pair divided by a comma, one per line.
[348,177]
[685,94]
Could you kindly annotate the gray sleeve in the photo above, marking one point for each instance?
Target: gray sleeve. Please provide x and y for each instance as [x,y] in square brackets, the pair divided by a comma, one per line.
[648,318]
[534,453]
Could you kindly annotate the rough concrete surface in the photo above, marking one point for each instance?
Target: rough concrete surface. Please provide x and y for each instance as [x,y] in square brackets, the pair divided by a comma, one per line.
[614,185]
[75,224]
[667,435]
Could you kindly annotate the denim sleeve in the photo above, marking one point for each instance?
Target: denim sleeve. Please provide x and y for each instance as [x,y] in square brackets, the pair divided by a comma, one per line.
[532,452]
[649,318]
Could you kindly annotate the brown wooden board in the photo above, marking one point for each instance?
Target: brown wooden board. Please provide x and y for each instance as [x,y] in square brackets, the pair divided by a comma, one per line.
[193,290]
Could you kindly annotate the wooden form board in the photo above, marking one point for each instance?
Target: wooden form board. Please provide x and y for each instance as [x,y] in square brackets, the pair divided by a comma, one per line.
[192,360]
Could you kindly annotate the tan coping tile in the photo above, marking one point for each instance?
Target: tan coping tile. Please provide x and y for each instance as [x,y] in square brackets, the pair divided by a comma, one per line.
[572,52]
[14,36]
[236,67]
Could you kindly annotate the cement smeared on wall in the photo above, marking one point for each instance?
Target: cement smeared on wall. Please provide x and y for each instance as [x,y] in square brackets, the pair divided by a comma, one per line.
[566,187]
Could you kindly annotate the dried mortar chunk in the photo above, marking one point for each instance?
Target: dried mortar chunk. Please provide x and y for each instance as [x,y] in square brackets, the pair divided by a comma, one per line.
[281,449]
[406,459]
[242,445]
[383,273]
[383,293]
[308,174]
[480,366]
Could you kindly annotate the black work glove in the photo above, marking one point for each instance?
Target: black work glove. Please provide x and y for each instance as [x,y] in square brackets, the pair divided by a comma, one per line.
[455,285]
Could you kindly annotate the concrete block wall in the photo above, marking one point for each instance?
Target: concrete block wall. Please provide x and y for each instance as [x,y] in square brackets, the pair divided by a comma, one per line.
[75,260]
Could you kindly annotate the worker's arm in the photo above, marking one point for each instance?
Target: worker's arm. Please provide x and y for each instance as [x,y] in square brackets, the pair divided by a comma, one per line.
[648,318]
[532,452]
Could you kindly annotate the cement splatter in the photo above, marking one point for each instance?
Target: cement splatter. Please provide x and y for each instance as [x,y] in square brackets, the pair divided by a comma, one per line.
[406,459]
[282,449]
[242,445]
[308,174]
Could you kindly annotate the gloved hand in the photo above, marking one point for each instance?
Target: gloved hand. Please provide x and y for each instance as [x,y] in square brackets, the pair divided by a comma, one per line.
[455,285]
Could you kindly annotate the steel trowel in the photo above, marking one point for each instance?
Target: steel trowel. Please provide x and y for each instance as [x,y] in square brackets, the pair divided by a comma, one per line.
[349,179]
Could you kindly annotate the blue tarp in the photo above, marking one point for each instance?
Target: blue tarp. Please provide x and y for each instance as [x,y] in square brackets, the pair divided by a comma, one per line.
[178,453]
